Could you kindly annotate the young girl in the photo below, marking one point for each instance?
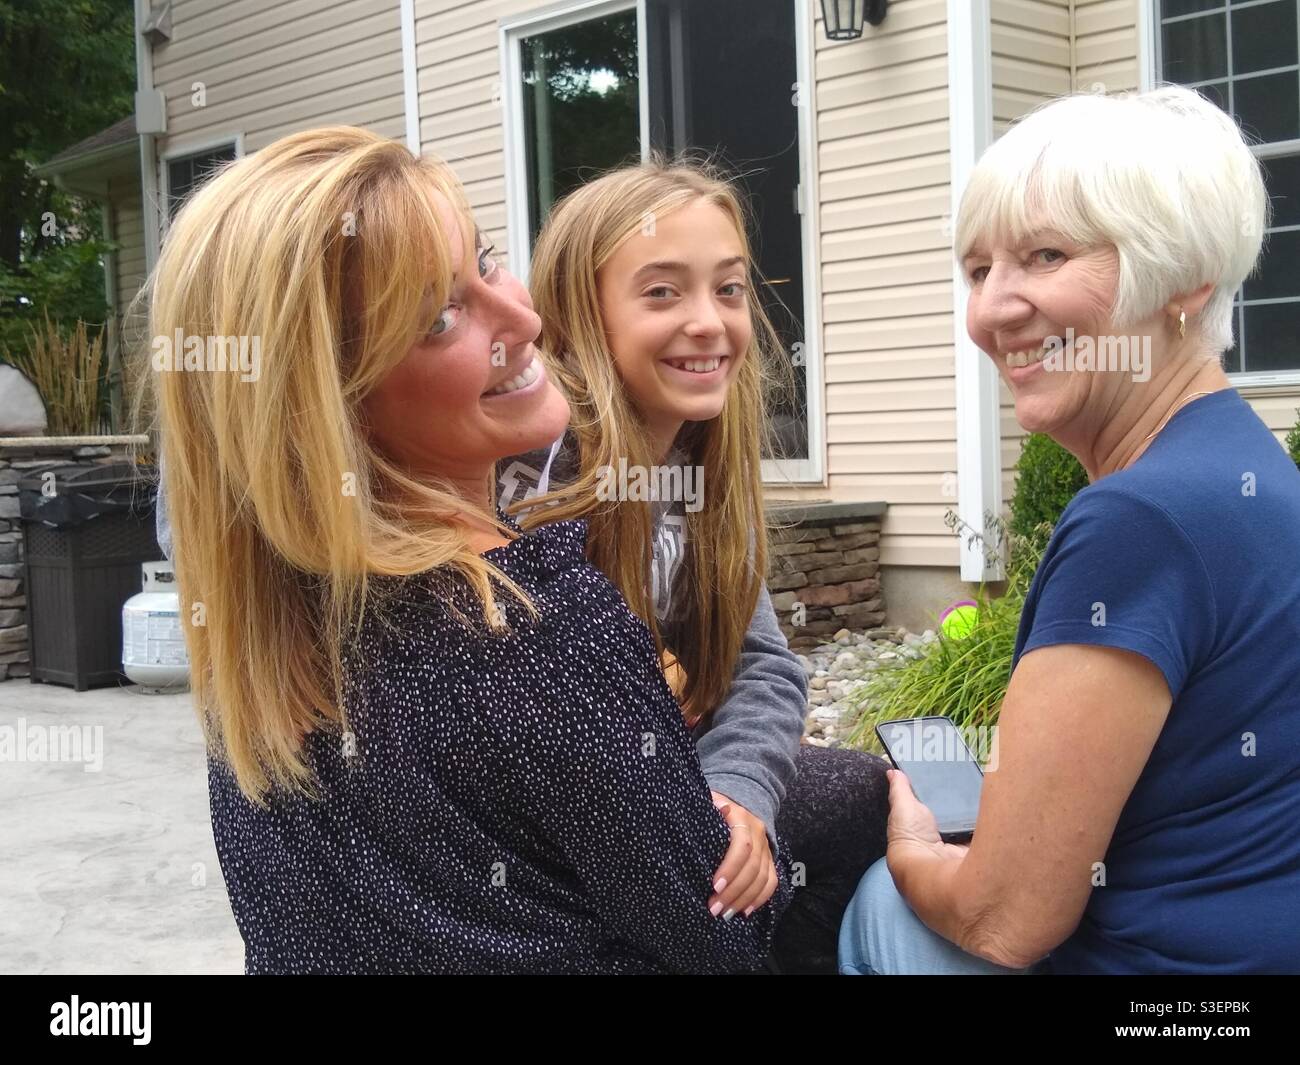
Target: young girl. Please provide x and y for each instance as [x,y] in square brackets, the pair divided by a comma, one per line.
[654,332]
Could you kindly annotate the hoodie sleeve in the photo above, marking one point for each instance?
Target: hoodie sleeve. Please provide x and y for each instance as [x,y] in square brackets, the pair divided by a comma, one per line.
[748,751]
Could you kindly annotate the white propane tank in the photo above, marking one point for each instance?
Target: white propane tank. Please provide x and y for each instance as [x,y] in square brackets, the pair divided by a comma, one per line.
[153,643]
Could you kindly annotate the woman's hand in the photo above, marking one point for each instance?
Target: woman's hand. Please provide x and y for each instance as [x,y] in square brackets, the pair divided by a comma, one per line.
[746,879]
[912,831]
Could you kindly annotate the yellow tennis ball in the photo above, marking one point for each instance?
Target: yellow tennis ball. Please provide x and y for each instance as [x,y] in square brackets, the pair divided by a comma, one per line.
[958,620]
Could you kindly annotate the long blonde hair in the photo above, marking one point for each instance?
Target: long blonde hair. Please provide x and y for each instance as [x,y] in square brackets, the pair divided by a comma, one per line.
[720,574]
[325,246]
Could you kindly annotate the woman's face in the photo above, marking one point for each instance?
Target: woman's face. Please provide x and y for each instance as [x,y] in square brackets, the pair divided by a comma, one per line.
[471,390]
[1024,293]
[672,299]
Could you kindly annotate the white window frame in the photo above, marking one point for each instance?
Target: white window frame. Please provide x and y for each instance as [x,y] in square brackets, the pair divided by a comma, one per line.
[179,151]
[513,30]
[1148,74]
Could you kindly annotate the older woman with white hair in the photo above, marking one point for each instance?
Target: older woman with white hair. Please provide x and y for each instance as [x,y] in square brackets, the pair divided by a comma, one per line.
[1143,815]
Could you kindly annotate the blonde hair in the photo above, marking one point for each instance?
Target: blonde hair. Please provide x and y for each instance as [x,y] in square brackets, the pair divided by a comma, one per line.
[326,246]
[1164,176]
[720,573]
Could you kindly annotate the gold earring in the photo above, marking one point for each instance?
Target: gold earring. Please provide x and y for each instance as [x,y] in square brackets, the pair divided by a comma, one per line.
[1182,325]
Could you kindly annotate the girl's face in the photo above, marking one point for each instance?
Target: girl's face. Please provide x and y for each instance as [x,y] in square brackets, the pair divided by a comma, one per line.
[471,390]
[672,299]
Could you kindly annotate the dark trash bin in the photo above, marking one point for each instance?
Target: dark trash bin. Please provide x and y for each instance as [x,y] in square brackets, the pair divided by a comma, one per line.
[86,530]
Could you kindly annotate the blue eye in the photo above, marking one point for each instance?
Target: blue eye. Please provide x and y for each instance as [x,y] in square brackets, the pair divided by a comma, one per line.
[739,288]
[445,316]
[486,263]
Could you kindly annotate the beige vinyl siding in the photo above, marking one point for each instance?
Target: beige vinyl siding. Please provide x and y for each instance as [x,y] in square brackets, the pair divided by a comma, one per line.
[1106,45]
[128,234]
[881,107]
[1032,63]
[273,68]
[457,54]
[127,209]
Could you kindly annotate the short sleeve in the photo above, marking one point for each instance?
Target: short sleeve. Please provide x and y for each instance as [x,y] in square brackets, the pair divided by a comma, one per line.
[1121,572]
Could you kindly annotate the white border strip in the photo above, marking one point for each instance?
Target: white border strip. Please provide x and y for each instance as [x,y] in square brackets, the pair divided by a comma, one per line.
[410,77]
[979,431]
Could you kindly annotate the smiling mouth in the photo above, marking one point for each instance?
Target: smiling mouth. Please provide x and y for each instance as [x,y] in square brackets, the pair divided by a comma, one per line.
[697,365]
[1028,356]
[530,373]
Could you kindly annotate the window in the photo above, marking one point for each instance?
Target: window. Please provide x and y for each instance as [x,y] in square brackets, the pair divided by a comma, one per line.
[602,82]
[185,173]
[1245,56]
[581,106]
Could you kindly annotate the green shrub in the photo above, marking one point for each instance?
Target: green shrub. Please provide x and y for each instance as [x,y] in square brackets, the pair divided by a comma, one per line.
[962,679]
[1047,478]
[1293,440]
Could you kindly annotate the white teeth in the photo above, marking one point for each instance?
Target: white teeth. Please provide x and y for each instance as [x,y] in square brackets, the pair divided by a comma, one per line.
[696,365]
[529,375]
[1024,358]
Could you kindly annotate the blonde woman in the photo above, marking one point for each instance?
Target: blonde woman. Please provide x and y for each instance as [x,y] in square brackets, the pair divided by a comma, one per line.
[435,744]
[645,283]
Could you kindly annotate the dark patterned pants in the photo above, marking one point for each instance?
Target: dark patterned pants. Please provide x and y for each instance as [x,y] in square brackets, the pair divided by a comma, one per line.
[833,820]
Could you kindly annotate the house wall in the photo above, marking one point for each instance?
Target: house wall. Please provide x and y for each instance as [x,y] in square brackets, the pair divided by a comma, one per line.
[269,69]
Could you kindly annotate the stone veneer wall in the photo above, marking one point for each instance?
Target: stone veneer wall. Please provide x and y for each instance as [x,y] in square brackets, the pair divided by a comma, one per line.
[20,457]
[824,570]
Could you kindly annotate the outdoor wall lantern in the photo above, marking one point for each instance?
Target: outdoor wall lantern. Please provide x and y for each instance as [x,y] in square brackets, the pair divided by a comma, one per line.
[842,19]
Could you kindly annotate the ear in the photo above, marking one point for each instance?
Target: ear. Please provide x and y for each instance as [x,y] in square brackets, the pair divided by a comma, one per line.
[1193,302]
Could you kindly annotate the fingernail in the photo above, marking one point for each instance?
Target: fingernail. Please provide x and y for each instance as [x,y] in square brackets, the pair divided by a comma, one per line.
[715,909]
[749,911]
[720,884]
[729,914]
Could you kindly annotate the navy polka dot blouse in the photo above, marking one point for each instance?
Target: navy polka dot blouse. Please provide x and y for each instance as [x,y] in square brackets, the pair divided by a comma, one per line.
[529,802]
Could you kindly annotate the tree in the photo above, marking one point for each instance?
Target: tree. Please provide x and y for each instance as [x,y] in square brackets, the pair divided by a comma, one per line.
[67,70]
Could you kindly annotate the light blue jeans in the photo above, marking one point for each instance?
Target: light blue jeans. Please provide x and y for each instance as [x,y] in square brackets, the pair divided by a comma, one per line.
[881,936]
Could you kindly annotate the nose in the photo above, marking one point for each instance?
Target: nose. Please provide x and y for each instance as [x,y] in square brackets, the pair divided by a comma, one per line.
[705,321]
[514,320]
[999,306]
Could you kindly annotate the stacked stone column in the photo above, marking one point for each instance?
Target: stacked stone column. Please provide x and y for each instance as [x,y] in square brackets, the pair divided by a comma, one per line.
[824,576]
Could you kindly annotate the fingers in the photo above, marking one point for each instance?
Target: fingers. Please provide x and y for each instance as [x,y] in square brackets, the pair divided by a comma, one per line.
[763,887]
[740,868]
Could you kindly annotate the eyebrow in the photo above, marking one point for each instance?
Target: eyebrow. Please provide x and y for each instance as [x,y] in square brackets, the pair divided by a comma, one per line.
[478,247]
[669,266]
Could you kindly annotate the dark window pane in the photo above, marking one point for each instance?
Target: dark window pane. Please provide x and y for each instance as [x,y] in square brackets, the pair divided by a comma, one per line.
[1217,94]
[1273,337]
[1195,50]
[720,76]
[1170,8]
[1264,37]
[1279,269]
[1232,357]
[186,174]
[581,106]
[1269,107]
[1282,178]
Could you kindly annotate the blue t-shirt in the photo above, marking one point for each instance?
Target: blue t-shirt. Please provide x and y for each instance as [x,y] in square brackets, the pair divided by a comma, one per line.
[1191,558]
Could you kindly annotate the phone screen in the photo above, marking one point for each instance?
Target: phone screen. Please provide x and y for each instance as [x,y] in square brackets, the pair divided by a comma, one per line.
[945,775]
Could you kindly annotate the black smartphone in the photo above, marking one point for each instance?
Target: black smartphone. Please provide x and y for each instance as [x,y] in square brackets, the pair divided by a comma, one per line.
[945,775]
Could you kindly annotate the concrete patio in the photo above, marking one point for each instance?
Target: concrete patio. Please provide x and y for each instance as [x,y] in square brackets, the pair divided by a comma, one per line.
[109,864]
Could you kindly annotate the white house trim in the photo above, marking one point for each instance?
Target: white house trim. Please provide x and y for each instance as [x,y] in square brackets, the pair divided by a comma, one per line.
[410,76]
[813,468]
[979,433]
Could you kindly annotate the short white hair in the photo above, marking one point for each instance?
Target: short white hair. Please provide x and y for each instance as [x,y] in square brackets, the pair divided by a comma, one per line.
[1165,176]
